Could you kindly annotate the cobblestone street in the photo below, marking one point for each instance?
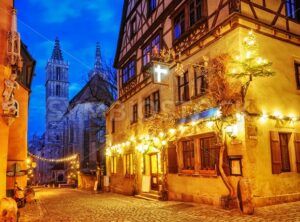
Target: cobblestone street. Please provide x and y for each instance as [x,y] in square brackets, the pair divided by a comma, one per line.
[69,205]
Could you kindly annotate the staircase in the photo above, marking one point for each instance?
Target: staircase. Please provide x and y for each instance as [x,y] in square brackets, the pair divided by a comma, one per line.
[152,196]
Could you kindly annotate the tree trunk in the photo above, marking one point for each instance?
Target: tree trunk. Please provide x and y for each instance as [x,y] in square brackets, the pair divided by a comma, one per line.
[226,181]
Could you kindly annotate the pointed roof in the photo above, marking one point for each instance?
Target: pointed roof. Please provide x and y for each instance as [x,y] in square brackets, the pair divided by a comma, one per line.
[98,62]
[98,66]
[56,54]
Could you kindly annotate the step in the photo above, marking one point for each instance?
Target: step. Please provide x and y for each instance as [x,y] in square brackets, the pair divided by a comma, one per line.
[148,196]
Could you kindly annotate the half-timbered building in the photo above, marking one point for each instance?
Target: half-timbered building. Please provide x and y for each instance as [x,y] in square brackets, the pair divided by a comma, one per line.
[266,151]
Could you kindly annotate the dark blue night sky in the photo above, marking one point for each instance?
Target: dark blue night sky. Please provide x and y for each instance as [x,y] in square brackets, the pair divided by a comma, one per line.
[79,24]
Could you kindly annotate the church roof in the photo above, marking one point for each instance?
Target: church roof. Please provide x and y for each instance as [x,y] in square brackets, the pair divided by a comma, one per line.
[96,90]
[56,54]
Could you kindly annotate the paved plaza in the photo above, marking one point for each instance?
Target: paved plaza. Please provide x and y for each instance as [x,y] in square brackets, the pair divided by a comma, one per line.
[68,205]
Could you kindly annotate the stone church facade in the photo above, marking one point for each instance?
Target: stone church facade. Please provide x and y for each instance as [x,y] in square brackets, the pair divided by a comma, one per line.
[84,121]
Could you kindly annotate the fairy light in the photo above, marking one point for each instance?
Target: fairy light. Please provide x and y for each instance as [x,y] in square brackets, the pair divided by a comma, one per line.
[60,160]
[264,118]
[210,124]
[172,131]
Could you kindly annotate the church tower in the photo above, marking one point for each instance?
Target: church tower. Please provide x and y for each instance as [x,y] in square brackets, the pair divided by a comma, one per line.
[57,86]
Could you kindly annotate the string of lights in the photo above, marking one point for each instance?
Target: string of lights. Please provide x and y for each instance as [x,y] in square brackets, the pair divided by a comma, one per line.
[143,142]
[60,160]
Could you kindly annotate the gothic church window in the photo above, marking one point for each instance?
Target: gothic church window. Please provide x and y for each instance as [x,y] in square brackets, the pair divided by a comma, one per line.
[58,90]
[58,73]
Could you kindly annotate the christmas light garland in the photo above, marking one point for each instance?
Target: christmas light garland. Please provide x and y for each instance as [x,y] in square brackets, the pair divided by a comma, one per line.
[60,160]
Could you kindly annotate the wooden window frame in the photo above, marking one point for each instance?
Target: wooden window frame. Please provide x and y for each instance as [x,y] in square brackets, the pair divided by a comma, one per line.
[134,113]
[189,153]
[202,77]
[147,107]
[113,165]
[148,49]
[131,64]
[183,86]
[113,126]
[195,11]
[133,27]
[297,74]
[186,10]
[156,101]
[212,147]
[179,19]
[128,167]
[277,152]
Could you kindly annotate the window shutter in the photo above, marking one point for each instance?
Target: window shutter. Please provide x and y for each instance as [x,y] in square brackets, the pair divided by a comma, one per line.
[172,159]
[297,150]
[275,153]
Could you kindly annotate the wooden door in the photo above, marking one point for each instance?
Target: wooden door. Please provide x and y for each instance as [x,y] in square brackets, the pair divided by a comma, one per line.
[154,171]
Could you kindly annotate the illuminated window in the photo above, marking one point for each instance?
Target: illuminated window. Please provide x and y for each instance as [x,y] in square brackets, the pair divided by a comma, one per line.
[147,107]
[113,165]
[150,49]
[209,153]
[179,25]
[293,9]
[135,113]
[183,88]
[188,155]
[297,72]
[195,11]
[200,81]
[128,164]
[156,102]
[129,72]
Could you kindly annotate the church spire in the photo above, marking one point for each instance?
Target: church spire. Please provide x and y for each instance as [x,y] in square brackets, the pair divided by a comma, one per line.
[98,67]
[98,62]
[56,54]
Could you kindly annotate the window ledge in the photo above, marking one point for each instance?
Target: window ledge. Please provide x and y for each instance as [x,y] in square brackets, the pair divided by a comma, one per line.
[178,103]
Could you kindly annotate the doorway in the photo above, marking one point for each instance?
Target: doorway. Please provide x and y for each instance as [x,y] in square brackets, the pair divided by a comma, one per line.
[154,171]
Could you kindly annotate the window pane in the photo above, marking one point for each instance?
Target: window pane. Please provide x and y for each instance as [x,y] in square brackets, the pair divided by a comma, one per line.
[209,153]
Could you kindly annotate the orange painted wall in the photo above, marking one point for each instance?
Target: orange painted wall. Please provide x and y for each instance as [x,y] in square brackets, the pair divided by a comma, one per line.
[5,24]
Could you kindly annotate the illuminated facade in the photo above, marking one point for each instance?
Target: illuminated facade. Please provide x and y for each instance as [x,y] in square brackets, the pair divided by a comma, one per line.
[16,72]
[161,133]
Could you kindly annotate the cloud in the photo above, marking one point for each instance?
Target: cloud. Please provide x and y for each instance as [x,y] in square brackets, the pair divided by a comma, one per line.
[59,11]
